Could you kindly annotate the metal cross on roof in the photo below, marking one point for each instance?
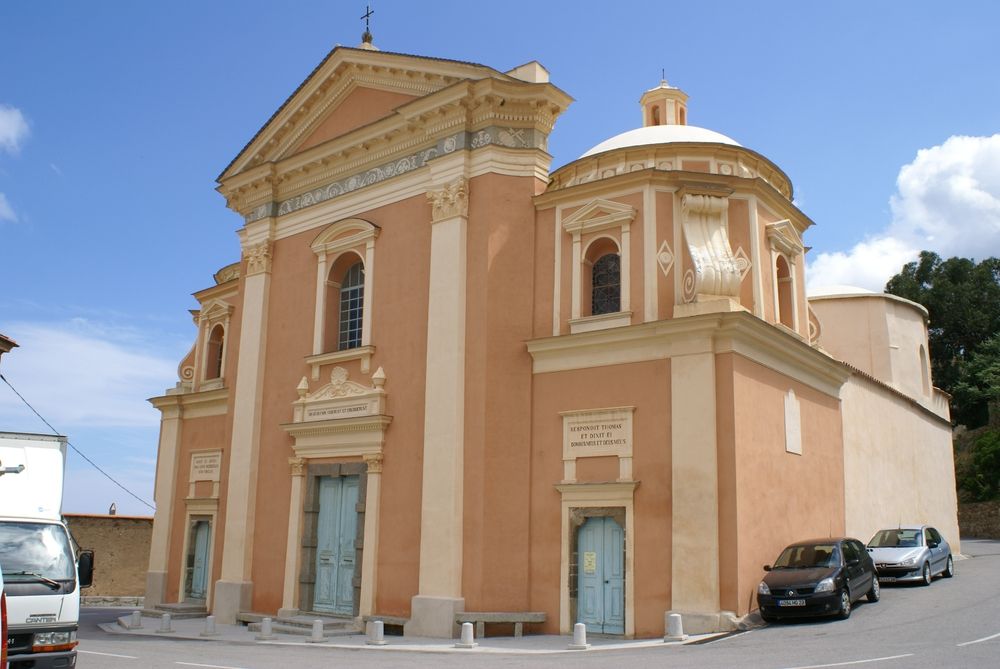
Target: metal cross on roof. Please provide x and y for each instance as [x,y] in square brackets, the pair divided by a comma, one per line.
[366,16]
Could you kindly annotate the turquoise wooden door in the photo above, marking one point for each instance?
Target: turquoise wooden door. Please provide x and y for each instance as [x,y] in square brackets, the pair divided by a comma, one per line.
[337,526]
[601,576]
[202,532]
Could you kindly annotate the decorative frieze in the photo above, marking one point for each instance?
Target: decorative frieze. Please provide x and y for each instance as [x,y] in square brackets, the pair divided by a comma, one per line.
[450,201]
[258,258]
[507,137]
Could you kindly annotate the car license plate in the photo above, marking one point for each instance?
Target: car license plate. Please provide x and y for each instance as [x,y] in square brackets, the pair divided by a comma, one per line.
[791,602]
[886,579]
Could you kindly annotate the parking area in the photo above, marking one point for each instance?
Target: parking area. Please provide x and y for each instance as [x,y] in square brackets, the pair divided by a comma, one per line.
[953,623]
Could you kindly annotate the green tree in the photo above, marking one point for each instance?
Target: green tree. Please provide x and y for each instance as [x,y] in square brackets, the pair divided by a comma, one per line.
[962,298]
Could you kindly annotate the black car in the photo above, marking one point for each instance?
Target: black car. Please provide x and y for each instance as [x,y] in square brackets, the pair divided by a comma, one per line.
[819,577]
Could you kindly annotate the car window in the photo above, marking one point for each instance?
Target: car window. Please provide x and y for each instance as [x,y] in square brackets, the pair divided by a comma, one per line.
[928,537]
[805,557]
[895,539]
[850,552]
[934,535]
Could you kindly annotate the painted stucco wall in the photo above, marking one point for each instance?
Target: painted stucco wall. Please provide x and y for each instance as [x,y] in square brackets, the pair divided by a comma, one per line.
[646,386]
[881,335]
[779,497]
[898,464]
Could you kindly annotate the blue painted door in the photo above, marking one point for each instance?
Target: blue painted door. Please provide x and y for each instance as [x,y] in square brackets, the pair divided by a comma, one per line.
[601,576]
[337,525]
[202,532]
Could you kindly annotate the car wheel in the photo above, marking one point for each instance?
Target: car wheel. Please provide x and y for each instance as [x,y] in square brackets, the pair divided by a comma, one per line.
[845,605]
[926,574]
[875,592]
[949,568]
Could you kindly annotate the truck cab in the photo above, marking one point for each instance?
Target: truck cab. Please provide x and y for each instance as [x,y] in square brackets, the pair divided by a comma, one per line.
[43,574]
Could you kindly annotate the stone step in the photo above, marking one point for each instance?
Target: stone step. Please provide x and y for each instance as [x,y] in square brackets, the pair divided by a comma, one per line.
[298,630]
[302,621]
[178,610]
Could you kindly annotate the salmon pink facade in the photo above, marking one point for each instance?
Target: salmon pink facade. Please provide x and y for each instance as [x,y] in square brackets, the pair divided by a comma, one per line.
[442,378]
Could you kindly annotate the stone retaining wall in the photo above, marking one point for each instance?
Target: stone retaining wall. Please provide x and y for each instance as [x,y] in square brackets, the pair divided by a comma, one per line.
[121,552]
[979,520]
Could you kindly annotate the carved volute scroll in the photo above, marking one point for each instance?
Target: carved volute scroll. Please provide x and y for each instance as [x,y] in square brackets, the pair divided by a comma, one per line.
[450,201]
[716,270]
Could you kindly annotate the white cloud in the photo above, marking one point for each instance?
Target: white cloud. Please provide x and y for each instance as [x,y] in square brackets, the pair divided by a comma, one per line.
[6,211]
[947,201]
[79,374]
[13,128]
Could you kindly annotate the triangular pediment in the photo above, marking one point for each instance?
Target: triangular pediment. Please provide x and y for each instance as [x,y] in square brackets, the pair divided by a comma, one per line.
[599,214]
[351,88]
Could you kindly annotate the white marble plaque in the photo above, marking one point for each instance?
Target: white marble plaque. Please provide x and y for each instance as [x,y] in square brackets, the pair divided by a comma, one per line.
[596,432]
[205,466]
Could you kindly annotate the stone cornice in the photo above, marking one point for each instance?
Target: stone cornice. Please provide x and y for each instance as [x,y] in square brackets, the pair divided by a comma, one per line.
[729,161]
[192,405]
[341,71]
[468,115]
[732,332]
[737,187]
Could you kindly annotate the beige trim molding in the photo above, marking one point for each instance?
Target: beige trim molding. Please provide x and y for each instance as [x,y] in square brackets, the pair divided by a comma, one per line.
[583,495]
[736,332]
[362,353]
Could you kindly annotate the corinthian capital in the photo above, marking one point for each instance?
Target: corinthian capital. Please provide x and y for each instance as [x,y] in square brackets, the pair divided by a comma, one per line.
[450,201]
[258,258]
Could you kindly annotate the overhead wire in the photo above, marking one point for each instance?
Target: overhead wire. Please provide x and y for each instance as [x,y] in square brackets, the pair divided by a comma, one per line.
[77,450]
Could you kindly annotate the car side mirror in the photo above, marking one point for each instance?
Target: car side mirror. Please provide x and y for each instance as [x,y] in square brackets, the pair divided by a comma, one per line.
[767,567]
[85,568]
[932,544]
[853,563]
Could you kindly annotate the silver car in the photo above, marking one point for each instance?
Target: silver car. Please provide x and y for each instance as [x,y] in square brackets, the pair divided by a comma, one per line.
[911,553]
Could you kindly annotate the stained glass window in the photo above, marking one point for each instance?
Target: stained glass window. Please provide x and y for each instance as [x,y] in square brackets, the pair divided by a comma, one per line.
[606,285]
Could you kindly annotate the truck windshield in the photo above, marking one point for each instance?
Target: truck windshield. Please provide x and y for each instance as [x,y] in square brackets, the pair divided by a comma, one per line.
[29,551]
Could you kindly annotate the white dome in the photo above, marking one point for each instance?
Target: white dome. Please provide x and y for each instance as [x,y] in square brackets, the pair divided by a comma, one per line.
[661,134]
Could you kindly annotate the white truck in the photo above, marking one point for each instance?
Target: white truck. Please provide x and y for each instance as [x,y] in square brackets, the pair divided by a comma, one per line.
[42,572]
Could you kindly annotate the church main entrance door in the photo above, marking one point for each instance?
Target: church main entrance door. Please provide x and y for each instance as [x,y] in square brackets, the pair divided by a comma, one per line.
[601,576]
[200,541]
[336,531]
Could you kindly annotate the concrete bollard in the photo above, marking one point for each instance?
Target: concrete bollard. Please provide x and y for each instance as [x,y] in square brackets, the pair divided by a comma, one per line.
[376,634]
[468,639]
[165,625]
[136,622]
[675,628]
[317,633]
[266,632]
[210,627]
[579,637]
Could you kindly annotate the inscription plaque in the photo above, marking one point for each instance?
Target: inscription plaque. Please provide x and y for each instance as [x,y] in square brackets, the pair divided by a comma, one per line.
[205,466]
[596,432]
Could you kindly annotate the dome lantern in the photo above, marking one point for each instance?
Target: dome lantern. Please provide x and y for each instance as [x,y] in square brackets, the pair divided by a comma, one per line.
[664,105]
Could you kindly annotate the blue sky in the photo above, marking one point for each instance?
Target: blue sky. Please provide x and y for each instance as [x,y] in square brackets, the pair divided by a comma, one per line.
[116,117]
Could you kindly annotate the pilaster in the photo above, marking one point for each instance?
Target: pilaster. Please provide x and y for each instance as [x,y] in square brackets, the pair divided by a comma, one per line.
[694,573]
[233,592]
[166,471]
[293,541]
[441,513]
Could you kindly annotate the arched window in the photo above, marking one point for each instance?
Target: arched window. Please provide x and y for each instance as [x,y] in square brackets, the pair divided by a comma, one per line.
[216,351]
[785,299]
[352,296]
[606,294]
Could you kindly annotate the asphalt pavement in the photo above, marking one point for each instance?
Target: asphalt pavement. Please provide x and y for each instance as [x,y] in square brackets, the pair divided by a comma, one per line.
[952,623]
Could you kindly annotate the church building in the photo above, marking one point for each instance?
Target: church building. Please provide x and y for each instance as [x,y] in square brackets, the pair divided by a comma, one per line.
[443,377]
